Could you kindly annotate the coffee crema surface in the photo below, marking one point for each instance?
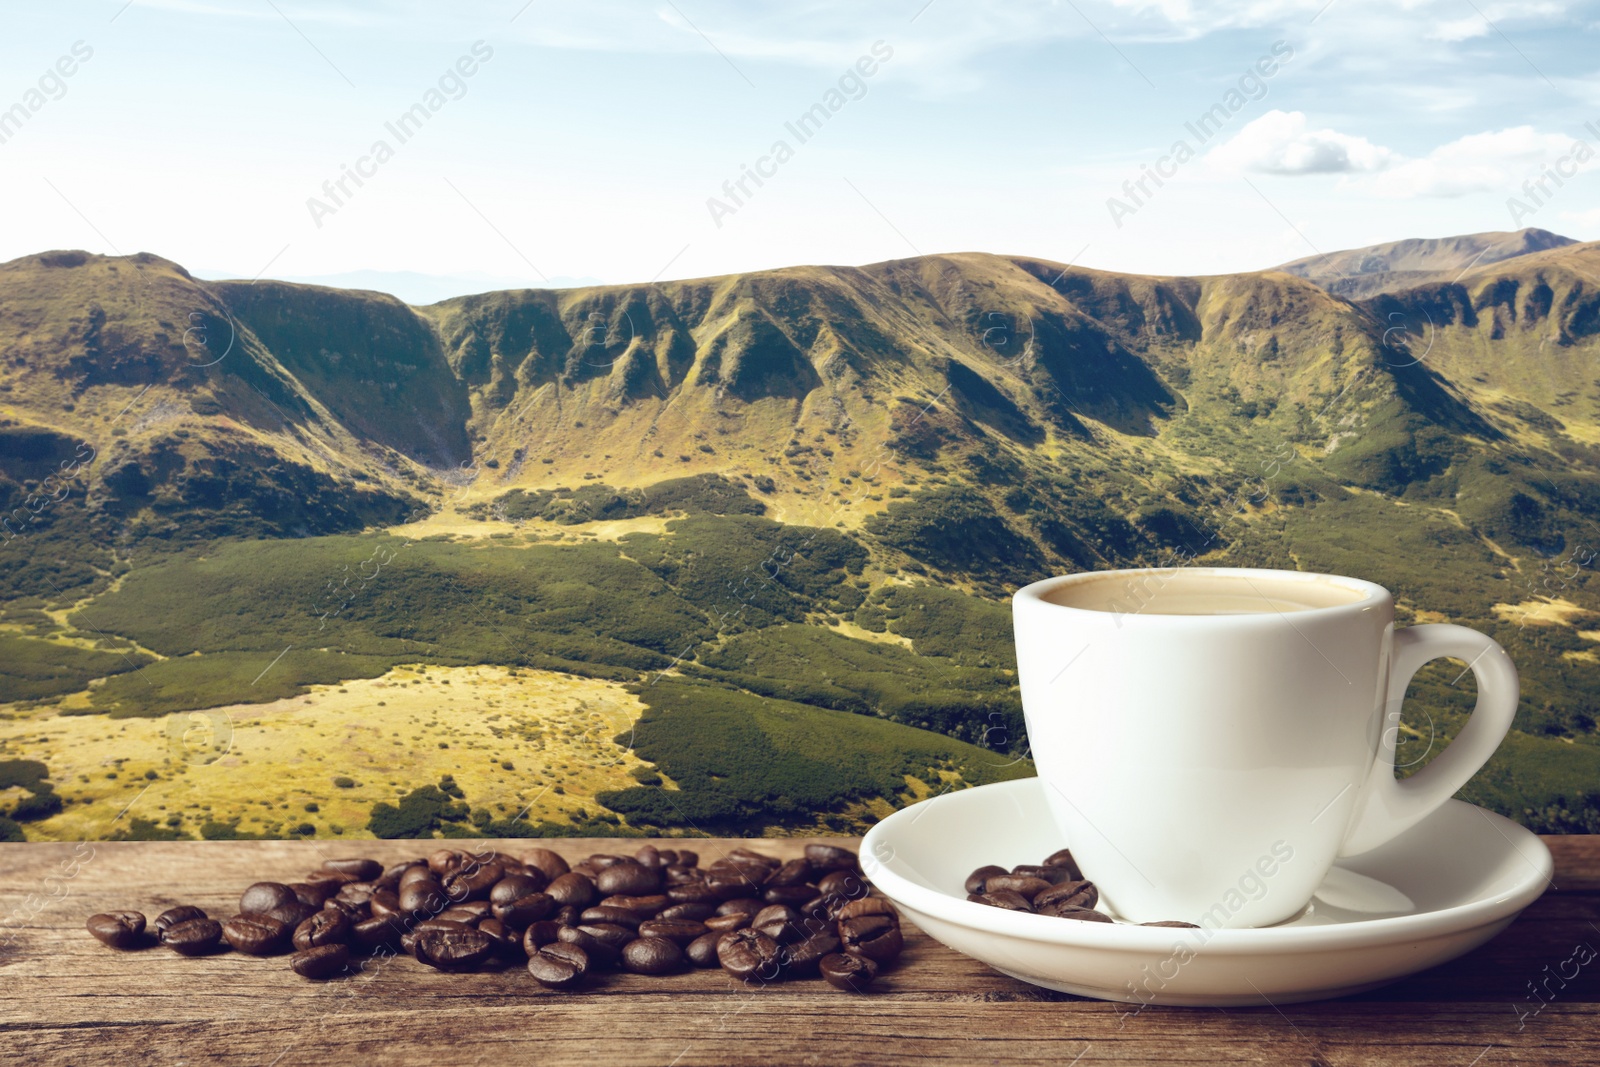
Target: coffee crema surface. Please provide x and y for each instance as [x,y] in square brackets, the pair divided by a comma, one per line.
[1180,593]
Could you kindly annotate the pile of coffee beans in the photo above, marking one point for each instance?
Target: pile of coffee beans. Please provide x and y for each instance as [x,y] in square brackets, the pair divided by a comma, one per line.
[656,912]
[1054,886]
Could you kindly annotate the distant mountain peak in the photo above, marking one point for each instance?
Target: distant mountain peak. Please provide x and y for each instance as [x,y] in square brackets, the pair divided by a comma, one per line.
[1397,265]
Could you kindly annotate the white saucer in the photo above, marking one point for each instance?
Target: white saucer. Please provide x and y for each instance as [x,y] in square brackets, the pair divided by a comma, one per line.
[1439,890]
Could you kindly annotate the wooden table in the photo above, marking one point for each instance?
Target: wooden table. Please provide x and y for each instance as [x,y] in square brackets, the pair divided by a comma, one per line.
[65,999]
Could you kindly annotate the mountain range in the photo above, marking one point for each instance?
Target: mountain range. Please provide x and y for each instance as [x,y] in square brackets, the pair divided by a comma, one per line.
[823,481]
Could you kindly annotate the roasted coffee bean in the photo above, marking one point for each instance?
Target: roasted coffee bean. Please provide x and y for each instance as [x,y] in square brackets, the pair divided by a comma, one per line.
[329,882]
[314,894]
[568,915]
[612,934]
[794,872]
[698,891]
[644,907]
[453,950]
[264,896]
[754,871]
[751,857]
[729,881]
[468,911]
[680,931]
[573,889]
[378,932]
[1068,911]
[750,955]
[390,878]
[1063,858]
[473,881]
[1175,924]
[976,880]
[672,876]
[193,937]
[507,940]
[828,858]
[424,895]
[514,887]
[528,909]
[600,949]
[845,884]
[408,940]
[291,914]
[354,912]
[1016,883]
[365,870]
[1003,899]
[324,928]
[702,951]
[540,934]
[723,924]
[801,958]
[1053,875]
[355,894]
[546,862]
[848,972]
[1078,894]
[173,916]
[691,912]
[559,966]
[649,856]
[605,913]
[417,872]
[118,929]
[741,906]
[384,902]
[324,961]
[652,955]
[256,935]
[876,937]
[510,868]
[821,909]
[601,860]
[629,878]
[780,922]
[793,895]
[446,861]
[854,909]
[687,858]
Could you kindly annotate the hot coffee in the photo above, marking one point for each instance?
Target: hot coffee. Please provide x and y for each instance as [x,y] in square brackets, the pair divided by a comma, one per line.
[1208,734]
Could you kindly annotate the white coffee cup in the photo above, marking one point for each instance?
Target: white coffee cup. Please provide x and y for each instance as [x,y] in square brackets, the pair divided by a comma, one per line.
[1212,739]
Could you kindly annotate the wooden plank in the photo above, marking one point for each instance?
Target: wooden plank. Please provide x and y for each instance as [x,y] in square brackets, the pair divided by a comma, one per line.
[65,999]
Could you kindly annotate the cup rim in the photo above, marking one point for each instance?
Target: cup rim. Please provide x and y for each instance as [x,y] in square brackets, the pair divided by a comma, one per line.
[1372,594]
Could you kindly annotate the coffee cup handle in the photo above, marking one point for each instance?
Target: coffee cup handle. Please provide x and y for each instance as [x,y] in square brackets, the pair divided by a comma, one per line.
[1387,807]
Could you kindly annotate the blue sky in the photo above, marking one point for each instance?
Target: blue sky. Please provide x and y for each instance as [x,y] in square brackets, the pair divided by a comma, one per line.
[593,140]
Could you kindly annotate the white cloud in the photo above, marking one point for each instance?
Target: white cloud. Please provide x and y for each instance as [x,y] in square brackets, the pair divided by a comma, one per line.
[1485,20]
[1282,142]
[1479,162]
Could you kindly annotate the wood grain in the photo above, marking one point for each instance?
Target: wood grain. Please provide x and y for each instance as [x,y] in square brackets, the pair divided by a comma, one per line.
[65,999]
